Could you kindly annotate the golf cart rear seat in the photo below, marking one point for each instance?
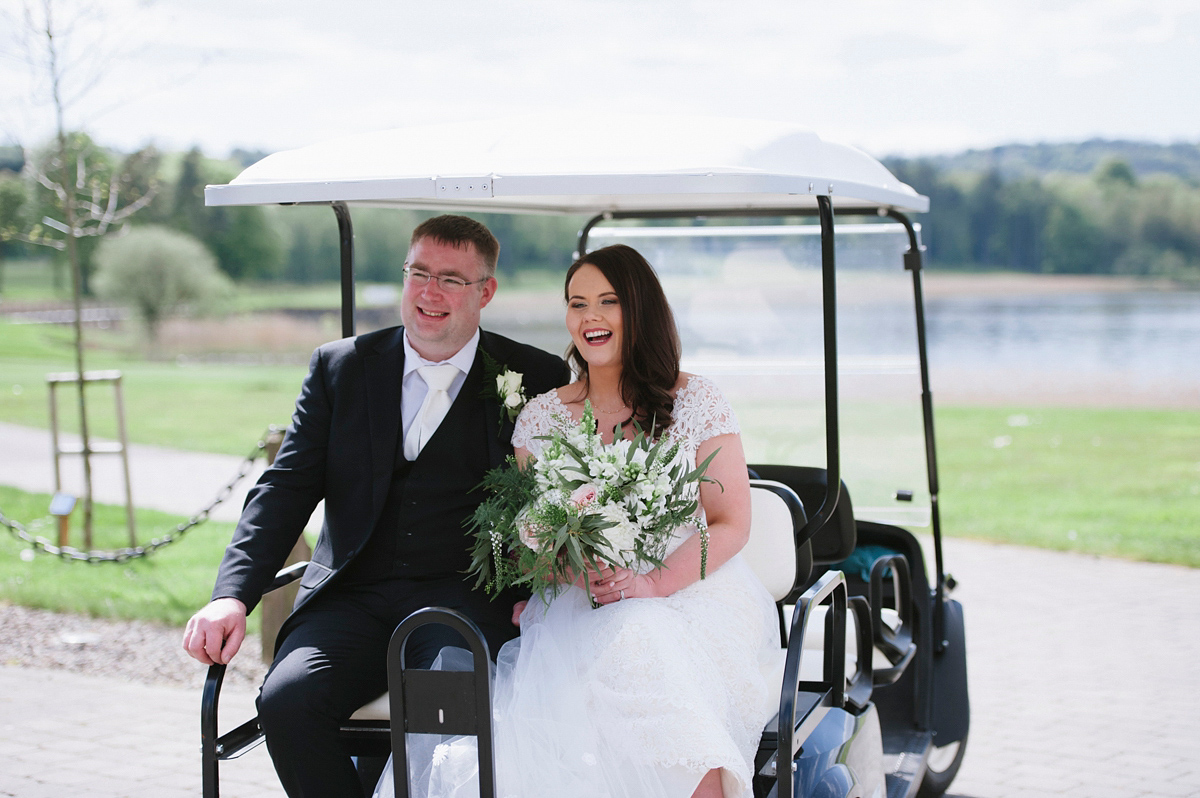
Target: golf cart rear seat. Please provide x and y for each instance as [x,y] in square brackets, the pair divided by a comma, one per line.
[891,627]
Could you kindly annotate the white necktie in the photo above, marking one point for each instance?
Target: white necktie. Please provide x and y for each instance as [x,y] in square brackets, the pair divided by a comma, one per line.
[433,409]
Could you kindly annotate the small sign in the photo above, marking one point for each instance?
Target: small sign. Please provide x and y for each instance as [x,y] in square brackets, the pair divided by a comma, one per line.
[61,504]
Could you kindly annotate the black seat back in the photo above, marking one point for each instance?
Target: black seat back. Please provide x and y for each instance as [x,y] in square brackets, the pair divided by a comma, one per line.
[836,541]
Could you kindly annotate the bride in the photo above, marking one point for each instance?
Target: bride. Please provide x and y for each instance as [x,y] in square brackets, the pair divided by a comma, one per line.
[658,691]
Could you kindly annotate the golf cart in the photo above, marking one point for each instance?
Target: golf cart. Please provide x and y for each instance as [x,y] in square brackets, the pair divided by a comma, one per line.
[817,339]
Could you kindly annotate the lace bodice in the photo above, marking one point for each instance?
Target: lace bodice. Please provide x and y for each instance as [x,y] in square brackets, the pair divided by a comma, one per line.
[701,412]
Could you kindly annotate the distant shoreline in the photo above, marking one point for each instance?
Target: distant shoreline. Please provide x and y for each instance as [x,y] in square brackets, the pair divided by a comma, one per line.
[944,284]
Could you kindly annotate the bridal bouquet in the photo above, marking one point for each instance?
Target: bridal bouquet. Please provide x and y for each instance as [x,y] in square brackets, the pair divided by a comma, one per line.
[584,503]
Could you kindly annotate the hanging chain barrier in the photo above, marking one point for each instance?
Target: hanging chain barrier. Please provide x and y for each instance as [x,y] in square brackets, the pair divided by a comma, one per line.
[39,543]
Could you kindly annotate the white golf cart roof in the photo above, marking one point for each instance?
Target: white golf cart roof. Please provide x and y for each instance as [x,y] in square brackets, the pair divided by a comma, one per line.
[550,164]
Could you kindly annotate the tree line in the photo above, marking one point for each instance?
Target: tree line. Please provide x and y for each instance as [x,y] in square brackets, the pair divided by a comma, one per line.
[1111,221]
[292,244]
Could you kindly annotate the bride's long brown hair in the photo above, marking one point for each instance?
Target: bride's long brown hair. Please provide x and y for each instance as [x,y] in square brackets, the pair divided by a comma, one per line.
[650,348]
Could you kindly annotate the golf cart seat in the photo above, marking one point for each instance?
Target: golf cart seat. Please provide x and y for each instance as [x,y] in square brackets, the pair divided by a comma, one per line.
[836,541]
[890,627]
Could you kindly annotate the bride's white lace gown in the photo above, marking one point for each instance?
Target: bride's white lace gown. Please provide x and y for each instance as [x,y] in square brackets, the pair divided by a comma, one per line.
[638,698]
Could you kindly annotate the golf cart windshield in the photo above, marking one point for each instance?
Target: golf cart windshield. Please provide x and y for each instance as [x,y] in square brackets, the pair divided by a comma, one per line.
[748,302]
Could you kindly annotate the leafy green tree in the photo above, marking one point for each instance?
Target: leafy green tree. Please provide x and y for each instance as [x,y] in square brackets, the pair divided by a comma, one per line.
[159,271]
[83,192]
[243,239]
[310,241]
[1115,172]
[1024,207]
[1075,243]
[12,217]
[984,227]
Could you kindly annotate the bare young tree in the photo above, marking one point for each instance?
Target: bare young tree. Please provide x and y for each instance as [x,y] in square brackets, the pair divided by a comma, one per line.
[90,198]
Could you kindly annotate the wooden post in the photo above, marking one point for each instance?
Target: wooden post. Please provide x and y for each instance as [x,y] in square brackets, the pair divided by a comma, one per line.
[86,449]
[277,605]
[124,439]
[61,505]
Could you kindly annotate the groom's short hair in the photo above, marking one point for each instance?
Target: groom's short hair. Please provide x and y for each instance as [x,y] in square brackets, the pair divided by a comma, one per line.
[459,231]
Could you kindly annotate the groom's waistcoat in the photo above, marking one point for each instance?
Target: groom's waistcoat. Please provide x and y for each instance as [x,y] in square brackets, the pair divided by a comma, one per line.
[420,533]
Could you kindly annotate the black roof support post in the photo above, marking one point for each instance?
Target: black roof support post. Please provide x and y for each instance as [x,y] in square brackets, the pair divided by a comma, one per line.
[346,246]
[912,262]
[833,468]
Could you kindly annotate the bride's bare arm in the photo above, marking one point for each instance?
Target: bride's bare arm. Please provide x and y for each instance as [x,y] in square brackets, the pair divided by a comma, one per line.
[728,514]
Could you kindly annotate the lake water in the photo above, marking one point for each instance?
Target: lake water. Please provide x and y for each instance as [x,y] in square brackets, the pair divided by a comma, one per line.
[1139,345]
[1088,346]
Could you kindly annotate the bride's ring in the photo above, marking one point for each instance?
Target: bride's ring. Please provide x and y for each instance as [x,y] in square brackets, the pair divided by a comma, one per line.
[622,594]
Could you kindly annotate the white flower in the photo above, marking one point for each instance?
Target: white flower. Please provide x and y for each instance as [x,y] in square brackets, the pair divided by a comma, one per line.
[440,752]
[623,534]
[511,392]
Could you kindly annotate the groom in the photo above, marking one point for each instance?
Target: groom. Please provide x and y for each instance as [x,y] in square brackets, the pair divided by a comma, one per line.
[393,429]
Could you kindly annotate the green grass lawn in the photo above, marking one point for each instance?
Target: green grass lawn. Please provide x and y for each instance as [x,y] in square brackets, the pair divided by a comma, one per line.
[1118,482]
[204,407]
[167,586]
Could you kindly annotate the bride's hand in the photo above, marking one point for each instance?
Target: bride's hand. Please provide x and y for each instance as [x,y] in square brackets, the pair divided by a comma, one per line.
[611,584]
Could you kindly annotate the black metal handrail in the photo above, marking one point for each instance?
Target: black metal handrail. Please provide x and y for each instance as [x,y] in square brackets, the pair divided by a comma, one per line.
[216,747]
[831,689]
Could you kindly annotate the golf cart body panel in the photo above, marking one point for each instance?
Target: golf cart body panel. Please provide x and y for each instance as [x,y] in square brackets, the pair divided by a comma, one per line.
[848,733]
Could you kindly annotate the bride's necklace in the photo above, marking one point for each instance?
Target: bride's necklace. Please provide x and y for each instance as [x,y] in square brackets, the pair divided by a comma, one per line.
[599,409]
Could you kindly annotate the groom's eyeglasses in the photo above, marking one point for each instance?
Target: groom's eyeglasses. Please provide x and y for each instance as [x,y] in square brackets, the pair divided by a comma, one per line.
[451,285]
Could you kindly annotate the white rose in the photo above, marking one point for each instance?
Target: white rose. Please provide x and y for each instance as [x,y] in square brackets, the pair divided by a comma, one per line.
[508,383]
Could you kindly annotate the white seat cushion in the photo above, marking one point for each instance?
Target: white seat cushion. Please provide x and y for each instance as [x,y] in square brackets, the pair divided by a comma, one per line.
[771,548]
[379,709]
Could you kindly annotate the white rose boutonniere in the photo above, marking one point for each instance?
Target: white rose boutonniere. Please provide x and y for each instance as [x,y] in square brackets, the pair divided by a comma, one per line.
[505,386]
[511,392]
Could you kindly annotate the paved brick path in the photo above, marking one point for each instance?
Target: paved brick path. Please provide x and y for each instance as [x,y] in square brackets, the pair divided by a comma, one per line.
[1083,671]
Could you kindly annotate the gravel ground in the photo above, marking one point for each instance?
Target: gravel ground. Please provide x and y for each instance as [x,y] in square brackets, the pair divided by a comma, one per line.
[138,651]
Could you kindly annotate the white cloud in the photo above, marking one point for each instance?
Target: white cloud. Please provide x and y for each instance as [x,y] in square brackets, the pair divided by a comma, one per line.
[887,75]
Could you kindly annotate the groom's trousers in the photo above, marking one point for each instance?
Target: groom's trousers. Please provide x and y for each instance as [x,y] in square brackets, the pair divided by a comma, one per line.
[333,660]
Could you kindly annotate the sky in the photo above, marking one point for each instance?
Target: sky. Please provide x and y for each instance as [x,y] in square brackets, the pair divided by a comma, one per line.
[912,77]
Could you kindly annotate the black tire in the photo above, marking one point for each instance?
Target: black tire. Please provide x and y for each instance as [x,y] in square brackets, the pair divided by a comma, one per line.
[943,766]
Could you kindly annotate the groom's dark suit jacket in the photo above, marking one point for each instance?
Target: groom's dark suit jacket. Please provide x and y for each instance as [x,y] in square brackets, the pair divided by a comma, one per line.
[343,446]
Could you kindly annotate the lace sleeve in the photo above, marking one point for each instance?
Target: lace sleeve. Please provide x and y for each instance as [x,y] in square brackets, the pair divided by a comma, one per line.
[702,412]
[536,418]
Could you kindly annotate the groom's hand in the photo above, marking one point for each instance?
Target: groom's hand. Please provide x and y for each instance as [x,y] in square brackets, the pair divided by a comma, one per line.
[215,633]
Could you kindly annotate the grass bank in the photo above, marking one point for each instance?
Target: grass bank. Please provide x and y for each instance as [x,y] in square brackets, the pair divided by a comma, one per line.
[167,586]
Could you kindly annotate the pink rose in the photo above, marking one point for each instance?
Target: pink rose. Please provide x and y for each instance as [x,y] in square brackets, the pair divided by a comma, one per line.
[583,496]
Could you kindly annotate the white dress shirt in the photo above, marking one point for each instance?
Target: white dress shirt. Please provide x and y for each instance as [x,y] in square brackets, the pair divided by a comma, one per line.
[413,388]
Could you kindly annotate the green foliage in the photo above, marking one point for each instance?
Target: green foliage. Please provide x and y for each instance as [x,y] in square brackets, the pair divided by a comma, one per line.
[533,242]
[1104,223]
[1180,160]
[310,241]
[102,189]
[243,239]
[12,218]
[157,271]
[1115,172]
